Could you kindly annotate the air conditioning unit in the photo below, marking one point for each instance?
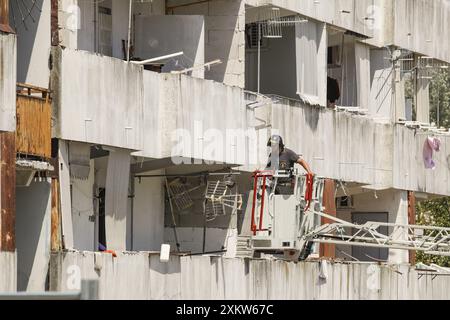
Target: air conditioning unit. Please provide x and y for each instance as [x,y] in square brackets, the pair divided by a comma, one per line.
[344,202]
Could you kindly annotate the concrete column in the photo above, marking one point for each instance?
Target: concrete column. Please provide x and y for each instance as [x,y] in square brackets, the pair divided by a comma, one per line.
[398,213]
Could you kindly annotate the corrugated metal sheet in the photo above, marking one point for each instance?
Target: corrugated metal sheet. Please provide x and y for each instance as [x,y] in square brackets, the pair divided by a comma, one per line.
[142,276]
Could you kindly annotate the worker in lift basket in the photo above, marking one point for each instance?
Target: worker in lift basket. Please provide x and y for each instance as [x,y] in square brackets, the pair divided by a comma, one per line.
[285,161]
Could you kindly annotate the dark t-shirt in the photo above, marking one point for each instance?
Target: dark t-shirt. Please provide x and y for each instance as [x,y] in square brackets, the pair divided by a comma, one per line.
[288,159]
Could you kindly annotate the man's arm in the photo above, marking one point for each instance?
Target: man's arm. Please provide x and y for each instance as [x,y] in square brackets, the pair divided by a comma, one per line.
[305,166]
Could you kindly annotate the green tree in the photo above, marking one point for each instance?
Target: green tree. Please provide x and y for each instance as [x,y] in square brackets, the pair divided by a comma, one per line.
[440,98]
[434,213]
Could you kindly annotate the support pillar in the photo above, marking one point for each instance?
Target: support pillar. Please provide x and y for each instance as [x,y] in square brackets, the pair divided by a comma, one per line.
[8,191]
[329,202]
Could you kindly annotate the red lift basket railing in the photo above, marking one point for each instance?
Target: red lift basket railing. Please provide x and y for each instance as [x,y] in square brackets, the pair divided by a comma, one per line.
[269,174]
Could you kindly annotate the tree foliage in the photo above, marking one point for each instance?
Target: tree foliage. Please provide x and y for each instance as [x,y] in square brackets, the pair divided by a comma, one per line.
[434,213]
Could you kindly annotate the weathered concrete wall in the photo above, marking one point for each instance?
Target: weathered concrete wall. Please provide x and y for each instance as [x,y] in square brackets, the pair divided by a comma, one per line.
[161,35]
[33,228]
[143,276]
[100,100]
[419,24]
[347,14]
[8,82]
[77,22]
[381,104]
[409,168]
[191,117]
[225,37]
[8,276]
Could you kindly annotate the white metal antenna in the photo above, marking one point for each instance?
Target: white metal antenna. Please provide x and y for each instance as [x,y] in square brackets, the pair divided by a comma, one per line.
[218,198]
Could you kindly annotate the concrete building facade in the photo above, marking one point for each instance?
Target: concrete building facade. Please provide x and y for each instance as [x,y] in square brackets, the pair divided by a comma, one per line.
[124,133]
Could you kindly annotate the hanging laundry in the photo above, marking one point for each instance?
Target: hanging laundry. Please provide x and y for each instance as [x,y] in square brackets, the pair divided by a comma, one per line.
[431,144]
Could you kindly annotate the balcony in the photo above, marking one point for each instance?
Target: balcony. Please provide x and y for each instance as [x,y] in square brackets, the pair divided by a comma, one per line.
[97,99]
[33,116]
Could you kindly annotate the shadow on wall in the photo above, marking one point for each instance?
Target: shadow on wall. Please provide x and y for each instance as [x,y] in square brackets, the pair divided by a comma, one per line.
[162,35]
[311,116]
[33,235]
[173,267]
[28,36]
[218,46]
[218,40]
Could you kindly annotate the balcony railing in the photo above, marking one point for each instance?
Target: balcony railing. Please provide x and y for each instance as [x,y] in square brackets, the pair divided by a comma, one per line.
[33,118]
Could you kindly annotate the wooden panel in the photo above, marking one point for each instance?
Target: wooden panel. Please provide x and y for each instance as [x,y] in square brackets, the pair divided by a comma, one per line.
[329,202]
[33,133]
[8,191]
[56,217]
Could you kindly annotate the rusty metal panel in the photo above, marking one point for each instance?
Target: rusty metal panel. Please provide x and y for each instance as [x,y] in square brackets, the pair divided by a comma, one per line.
[8,192]
[33,126]
[56,218]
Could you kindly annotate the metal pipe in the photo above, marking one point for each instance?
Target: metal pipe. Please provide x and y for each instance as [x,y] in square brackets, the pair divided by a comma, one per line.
[173,55]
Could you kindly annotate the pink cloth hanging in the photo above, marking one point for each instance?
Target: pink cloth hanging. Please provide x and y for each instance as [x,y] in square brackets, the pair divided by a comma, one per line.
[431,144]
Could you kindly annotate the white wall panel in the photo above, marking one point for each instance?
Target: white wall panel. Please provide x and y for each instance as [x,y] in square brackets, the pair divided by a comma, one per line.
[100,100]
[142,276]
